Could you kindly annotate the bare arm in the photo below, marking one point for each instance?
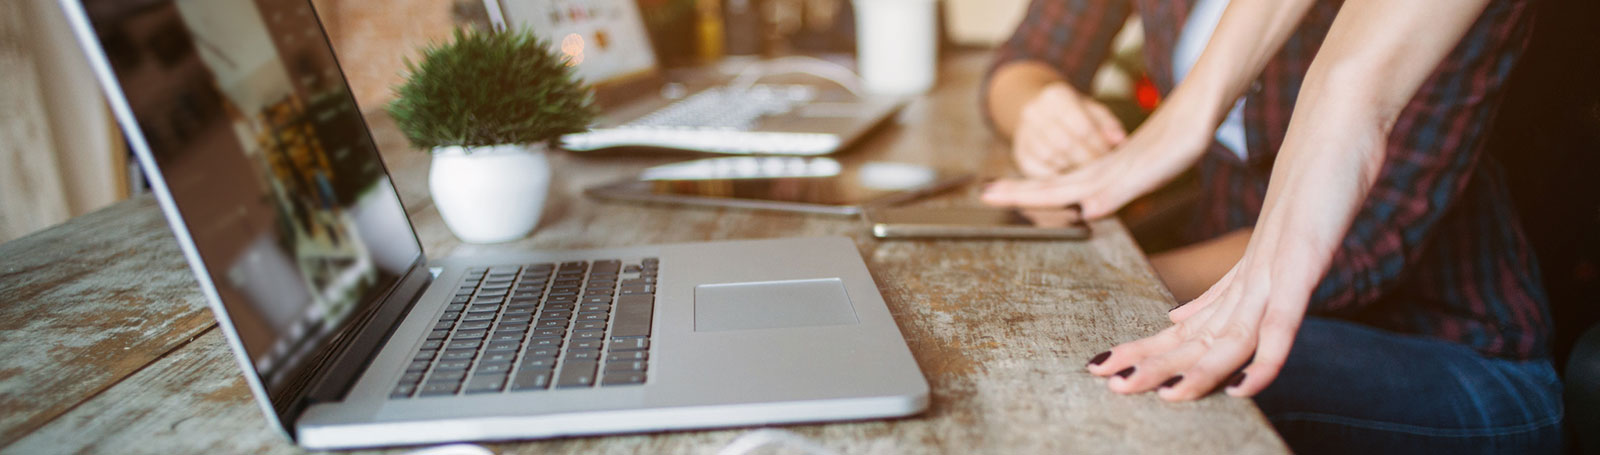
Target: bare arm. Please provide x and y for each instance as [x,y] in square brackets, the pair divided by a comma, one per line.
[1374,59]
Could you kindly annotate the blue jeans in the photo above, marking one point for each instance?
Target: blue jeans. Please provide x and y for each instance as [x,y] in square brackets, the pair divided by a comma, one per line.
[1350,388]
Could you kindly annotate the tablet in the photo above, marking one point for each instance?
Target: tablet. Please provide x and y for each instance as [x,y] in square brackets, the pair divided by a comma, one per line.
[811,185]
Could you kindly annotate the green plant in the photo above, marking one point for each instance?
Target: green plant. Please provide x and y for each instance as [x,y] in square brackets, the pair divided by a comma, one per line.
[488,88]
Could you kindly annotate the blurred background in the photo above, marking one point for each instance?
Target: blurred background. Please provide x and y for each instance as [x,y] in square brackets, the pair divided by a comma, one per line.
[65,156]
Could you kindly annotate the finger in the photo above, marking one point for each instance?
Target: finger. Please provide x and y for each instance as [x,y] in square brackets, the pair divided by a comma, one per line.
[1156,369]
[1122,356]
[1278,329]
[1026,156]
[1054,194]
[1231,347]
[1075,121]
[1106,123]
[1050,146]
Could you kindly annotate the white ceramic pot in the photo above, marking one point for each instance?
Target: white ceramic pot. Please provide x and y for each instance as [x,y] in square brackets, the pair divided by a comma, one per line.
[490,194]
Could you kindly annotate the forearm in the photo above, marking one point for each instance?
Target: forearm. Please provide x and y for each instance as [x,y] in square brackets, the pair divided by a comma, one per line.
[1375,57]
[1011,87]
[1248,35]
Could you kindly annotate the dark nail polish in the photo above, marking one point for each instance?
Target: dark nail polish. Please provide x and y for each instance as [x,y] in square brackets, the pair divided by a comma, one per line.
[1125,373]
[1236,379]
[1172,381]
[1100,358]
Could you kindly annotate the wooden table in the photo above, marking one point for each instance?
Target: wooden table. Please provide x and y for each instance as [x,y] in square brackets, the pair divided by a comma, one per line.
[107,346]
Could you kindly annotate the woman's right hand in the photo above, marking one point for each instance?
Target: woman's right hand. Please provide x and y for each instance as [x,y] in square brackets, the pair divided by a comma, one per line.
[1059,129]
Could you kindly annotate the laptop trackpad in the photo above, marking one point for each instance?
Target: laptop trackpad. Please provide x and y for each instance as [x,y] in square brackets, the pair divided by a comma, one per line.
[772,304]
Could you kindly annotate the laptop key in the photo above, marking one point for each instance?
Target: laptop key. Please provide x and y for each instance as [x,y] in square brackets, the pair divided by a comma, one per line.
[598,299]
[492,368]
[545,343]
[560,307]
[629,344]
[497,357]
[456,307]
[538,363]
[479,316]
[586,344]
[620,356]
[444,325]
[573,354]
[638,289]
[403,391]
[432,344]
[587,335]
[463,344]
[570,298]
[531,380]
[423,355]
[469,335]
[626,365]
[447,376]
[633,316]
[547,333]
[594,308]
[418,365]
[577,373]
[541,352]
[459,354]
[486,383]
[551,323]
[411,378]
[628,378]
[439,334]
[452,365]
[506,336]
[591,325]
[504,346]
[475,325]
[555,314]
[519,317]
[593,316]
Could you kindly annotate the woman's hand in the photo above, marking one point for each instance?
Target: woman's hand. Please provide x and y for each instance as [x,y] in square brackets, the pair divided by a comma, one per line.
[1060,128]
[1238,334]
[1163,147]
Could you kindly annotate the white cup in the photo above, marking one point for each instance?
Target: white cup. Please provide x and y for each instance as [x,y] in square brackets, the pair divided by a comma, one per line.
[897,44]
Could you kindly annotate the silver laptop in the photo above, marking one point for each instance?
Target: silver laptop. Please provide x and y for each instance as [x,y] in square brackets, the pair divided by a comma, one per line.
[608,44]
[349,337]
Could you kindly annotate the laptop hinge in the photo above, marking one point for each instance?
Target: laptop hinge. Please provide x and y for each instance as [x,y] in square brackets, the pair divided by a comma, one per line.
[355,347]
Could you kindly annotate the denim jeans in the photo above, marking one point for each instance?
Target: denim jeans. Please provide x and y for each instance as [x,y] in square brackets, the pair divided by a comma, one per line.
[1350,388]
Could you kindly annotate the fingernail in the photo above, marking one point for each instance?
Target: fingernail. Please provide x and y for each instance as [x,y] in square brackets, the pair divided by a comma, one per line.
[1176,308]
[1125,373]
[1172,381]
[1236,379]
[1100,358]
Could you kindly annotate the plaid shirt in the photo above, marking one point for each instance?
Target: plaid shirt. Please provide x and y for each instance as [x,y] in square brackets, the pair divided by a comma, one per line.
[1435,249]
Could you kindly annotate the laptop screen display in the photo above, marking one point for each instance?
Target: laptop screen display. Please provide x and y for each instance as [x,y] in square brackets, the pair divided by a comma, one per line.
[605,39]
[268,160]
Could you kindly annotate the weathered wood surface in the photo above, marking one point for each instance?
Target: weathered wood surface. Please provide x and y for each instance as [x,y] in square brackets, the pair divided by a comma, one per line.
[1001,329]
[85,304]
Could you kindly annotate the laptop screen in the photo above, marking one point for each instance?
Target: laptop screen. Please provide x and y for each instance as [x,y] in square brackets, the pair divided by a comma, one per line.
[605,39]
[268,161]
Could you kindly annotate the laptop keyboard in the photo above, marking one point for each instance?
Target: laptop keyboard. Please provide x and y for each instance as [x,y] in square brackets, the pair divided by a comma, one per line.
[726,108]
[536,327]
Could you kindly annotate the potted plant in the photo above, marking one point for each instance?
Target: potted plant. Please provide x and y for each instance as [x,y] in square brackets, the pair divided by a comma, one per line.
[488,105]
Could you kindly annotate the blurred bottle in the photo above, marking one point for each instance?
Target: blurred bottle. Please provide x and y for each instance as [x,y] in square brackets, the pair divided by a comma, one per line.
[742,25]
[711,29]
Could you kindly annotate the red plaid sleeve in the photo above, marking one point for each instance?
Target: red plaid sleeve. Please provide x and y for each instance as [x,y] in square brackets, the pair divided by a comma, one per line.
[1437,142]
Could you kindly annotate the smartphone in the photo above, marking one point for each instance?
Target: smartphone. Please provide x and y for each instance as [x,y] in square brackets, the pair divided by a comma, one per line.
[978,223]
